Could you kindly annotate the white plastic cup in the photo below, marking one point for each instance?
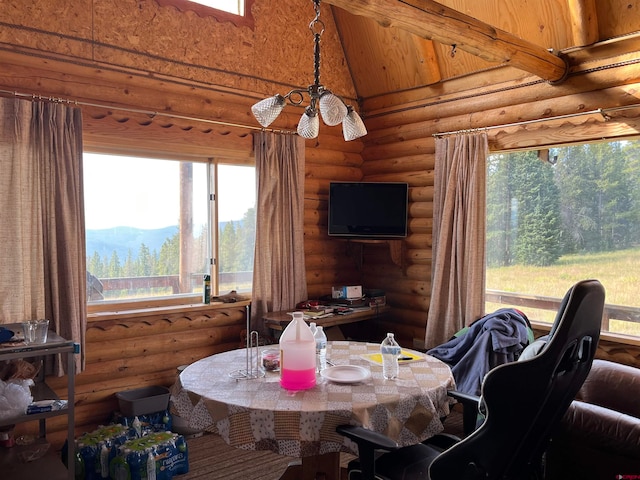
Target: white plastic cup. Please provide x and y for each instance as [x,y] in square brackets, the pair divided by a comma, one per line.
[35,331]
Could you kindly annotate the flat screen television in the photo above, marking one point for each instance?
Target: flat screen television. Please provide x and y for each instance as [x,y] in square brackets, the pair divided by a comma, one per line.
[374,210]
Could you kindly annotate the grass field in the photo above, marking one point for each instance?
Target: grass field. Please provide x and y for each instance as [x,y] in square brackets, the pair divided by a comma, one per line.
[619,272]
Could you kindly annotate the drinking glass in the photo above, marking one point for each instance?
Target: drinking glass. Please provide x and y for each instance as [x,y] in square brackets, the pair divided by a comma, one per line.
[35,331]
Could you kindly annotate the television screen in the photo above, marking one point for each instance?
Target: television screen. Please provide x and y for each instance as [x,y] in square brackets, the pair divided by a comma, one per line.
[368,209]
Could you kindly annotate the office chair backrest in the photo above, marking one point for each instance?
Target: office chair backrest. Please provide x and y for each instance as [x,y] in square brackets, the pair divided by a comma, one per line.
[525,400]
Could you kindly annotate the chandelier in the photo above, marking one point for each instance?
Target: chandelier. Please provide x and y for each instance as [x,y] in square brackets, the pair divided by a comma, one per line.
[330,106]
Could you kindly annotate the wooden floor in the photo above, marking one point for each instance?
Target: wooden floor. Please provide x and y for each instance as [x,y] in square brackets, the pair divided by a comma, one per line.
[210,458]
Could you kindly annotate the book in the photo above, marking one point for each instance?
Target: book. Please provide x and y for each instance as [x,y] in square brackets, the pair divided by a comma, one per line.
[317,312]
[405,357]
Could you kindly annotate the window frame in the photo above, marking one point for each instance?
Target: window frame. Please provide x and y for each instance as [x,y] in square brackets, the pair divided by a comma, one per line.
[528,298]
[245,20]
[177,301]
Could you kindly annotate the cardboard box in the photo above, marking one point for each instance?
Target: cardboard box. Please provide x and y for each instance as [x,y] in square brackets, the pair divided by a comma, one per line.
[346,292]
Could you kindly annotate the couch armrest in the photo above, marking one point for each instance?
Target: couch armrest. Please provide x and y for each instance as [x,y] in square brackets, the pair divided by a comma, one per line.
[612,385]
[605,429]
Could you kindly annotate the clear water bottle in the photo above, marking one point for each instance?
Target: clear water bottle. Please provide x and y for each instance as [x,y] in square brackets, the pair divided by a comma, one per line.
[321,349]
[390,351]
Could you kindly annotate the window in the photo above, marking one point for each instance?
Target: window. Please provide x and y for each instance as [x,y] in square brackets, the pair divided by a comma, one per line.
[555,217]
[238,12]
[148,224]
[231,6]
[236,227]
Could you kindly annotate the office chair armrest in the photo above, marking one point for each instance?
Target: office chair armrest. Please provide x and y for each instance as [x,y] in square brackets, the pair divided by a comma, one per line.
[471,406]
[464,398]
[442,441]
[367,438]
[368,442]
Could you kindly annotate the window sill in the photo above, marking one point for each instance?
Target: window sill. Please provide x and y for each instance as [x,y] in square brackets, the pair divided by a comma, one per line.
[607,336]
[125,310]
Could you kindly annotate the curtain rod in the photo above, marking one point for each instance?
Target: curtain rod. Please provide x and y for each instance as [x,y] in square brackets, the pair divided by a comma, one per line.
[152,114]
[600,111]
[36,97]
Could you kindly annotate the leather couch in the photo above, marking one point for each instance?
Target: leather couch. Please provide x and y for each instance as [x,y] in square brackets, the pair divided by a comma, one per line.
[599,436]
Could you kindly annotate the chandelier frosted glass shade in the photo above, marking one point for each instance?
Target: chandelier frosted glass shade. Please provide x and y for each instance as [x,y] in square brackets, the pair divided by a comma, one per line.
[353,126]
[267,110]
[332,109]
[309,125]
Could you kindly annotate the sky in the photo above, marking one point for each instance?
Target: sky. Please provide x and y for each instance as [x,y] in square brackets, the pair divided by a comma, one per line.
[135,192]
[233,6]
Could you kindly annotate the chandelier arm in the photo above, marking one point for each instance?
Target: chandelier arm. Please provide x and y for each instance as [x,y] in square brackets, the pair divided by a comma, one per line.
[297,95]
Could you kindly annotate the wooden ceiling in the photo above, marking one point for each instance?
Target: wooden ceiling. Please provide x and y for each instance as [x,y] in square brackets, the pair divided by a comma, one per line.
[397,45]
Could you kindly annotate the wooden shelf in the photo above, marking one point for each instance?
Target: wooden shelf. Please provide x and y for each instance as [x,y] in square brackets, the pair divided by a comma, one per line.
[14,467]
[50,466]
[396,249]
[39,391]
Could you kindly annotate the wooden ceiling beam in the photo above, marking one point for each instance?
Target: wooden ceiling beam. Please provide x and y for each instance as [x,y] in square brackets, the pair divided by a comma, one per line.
[433,21]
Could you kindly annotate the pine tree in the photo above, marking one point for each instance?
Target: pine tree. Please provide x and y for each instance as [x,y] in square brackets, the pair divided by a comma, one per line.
[538,218]
[499,211]
[246,238]
[114,270]
[228,248]
[144,266]
[95,265]
[169,259]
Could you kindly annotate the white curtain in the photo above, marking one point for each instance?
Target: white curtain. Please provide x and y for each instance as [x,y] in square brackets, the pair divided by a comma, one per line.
[459,226]
[42,218]
[279,275]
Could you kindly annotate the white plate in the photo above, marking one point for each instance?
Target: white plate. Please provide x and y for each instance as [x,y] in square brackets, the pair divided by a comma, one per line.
[346,373]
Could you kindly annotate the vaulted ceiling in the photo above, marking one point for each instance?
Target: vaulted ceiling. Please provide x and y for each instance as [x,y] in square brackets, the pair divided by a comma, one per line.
[397,45]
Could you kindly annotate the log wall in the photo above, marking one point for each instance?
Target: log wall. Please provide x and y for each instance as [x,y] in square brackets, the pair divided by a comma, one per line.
[127,350]
[534,114]
[130,350]
[141,94]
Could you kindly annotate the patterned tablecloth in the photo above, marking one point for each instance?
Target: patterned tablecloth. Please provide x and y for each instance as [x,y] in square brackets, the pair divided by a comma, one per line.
[258,414]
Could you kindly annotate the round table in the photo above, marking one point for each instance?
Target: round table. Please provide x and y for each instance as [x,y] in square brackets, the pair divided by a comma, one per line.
[258,414]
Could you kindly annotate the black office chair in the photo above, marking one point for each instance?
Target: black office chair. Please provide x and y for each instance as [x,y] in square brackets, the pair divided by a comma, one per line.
[524,402]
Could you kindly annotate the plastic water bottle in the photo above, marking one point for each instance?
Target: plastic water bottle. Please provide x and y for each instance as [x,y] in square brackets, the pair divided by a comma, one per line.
[206,289]
[313,328]
[321,349]
[390,351]
[297,355]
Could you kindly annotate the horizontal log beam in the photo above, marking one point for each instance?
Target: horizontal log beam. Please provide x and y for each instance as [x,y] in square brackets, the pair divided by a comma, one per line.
[433,21]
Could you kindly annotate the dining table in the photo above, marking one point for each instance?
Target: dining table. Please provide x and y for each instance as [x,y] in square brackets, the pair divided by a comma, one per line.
[254,412]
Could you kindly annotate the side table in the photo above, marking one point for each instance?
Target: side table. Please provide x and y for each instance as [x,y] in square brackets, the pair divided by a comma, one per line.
[277,321]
